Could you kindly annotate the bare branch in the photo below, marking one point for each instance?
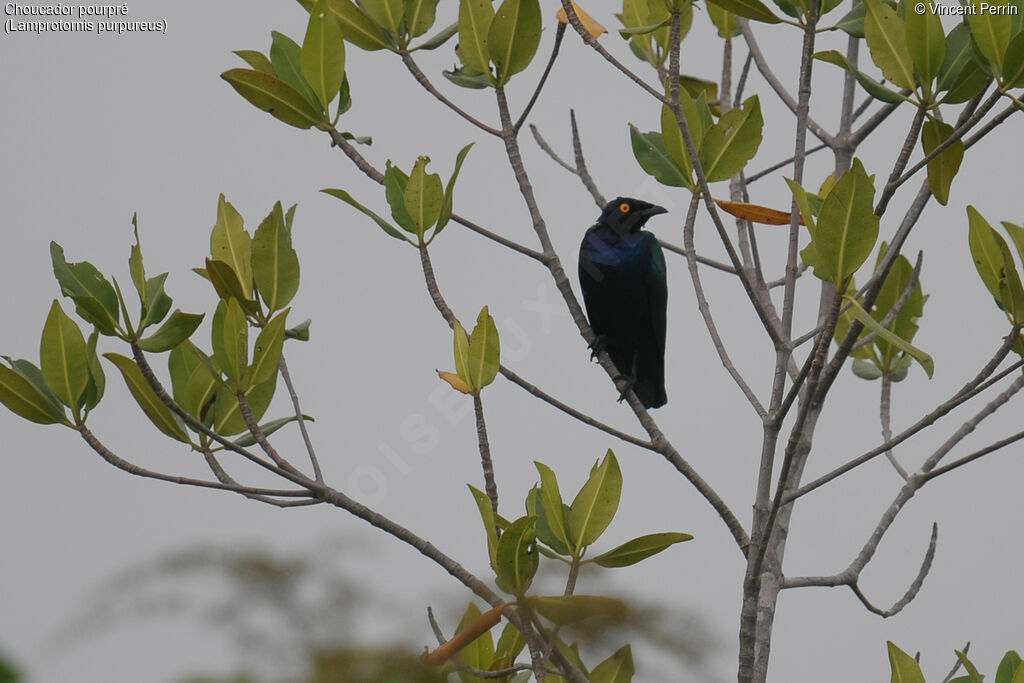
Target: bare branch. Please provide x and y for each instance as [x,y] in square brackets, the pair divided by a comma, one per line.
[914,588]
[485,453]
[422,79]
[885,416]
[317,475]
[581,163]
[559,34]
[956,665]
[785,162]
[901,161]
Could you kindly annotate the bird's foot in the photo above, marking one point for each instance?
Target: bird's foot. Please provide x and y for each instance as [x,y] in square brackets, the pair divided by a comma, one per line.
[628,382]
[599,345]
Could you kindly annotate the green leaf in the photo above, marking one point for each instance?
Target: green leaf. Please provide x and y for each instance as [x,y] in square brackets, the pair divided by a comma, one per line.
[516,555]
[865,369]
[231,339]
[181,361]
[1013,67]
[958,56]
[733,141]
[483,504]
[230,243]
[177,329]
[384,225]
[461,353]
[200,390]
[1008,666]
[904,668]
[751,9]
[257,60]
[358,28]
[616,669]
[387,13]
[275,264]
[449,190]
[467,77]
[552,507]
[228,419]
[511,642]
[514,36]
[886,36]
[972,671]
[137,269]
[439,39]
[943,168]
[672,135]
[926,42]
[631,31]
[300,331]
[596,503]
[989,251]
[847,226]
[870,85]
[871,324]
[991,32]
[480,652]
[649,150]
[224,280]
[158,303]
[395,184]
[535,506]
[804,204]
[266,354]
[475,17]
[904,325]
[419,16]
[82,282]
[423,197]
[158,413]
[269,428]
[286,58]
[564,610]
[640,548]
[29,400]
[323,54]
[724,21]
[274,96]
[852,22]
[62,354]
[484,351]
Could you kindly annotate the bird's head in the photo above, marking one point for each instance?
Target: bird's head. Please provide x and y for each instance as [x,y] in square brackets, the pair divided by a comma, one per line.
[627,215]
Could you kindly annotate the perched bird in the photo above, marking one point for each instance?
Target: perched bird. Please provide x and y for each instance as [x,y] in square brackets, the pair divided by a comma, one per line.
[622,274]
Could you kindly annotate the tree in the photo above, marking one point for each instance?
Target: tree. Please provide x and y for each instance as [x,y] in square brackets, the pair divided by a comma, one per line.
[708,134]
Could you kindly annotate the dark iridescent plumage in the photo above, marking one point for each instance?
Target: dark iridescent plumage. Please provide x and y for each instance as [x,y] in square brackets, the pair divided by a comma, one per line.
[622,275]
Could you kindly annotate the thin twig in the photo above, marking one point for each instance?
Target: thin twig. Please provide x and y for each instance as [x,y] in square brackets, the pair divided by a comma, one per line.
[885,416]
[956,665]
[485,453]
[422,79]
[581,163]
[901,161]
[785,162]
[559,34]
[317,474]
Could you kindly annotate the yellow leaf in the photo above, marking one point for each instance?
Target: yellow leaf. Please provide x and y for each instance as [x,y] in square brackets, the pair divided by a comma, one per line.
[593,28]
[756,213]
[455,381]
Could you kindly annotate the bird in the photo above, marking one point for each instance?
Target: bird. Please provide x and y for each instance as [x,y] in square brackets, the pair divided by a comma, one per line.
[625,291]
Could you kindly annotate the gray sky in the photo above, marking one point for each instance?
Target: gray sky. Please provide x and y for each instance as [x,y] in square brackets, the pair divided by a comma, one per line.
[95,128]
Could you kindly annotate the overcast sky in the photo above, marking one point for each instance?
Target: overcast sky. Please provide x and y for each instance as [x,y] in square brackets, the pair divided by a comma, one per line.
[96,127]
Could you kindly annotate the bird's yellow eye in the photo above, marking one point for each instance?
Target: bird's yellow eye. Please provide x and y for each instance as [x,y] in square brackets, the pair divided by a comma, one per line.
[624,207]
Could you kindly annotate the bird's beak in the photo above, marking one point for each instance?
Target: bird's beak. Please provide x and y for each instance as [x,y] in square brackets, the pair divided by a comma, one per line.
[652,210]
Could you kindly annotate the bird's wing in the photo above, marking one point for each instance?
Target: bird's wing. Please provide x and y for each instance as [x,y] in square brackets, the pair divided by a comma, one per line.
[656,282]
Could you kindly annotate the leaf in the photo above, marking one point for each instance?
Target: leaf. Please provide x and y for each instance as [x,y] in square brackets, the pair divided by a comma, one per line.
[991,33]
[904,668]
[28,400]
[266,354]
[387,13]
[513,37]
[230,339]
[987,250]
[847,226]
[137,269]
[1013,66]
[926,42]
[852,22]
[724,21]
[649,150]
[158,413]
[516,555]
[870,85]
[461,352]
[733,141]
[81,282]
[865,369]
[943,168]
[455,381]
[639,548]
[958,56]
[469,78]
[384,225]
[226,284]
[564,610]
[755,213]
[442,37]
[275,264]
[228,418]
[286,58]
[596,503]
[358,28]
[449,190]
[256,59]
[158,303]
[423,197]
[635,31]
[972,671]
[751,9]
[419,16]
[886,36]
[483,504]
[672,135]
[230,243]
[484,351]
[200,390]
[480,651]
[62,355]
[97,380]
[616,669]
[475,17]
[323,54]
[300,331]
[871,324]
[269,428]
[553,508]
[177,329]
[593,27]
[274,96]
[511,642]
[1008,666]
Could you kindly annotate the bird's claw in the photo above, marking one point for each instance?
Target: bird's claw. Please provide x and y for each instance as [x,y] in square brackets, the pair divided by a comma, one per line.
[600,342]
